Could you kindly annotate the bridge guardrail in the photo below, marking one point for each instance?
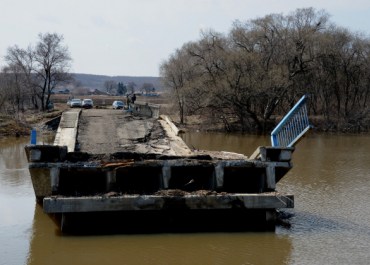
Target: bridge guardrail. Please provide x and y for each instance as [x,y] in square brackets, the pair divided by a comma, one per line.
[293,126]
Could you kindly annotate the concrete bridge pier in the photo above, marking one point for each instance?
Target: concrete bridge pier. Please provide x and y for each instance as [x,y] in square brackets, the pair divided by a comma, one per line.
[110,178]
[219,176]
[270,219]
[64,223]
[166,176]
[54,180]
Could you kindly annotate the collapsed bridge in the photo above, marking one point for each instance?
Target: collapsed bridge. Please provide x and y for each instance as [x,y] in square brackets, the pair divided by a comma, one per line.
[106,160]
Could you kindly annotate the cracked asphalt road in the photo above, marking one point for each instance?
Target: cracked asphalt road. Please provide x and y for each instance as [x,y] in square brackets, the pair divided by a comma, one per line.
[104,131]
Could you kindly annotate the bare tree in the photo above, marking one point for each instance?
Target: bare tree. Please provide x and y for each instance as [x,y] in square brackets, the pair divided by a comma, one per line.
[5,88]
[109,85]
[24,60]
[77,84]
[53,64]
[81,91]
[16,87]
[263,66]
[147,87]
[131,87]
[44,66]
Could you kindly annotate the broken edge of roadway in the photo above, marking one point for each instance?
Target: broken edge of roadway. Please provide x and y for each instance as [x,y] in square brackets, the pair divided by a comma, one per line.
[176,143]
[67,131]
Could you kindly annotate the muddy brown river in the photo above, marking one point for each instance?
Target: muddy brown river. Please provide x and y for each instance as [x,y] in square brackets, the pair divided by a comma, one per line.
[329,225]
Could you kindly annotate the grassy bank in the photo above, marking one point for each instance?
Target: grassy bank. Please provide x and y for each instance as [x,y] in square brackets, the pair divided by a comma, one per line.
[12,128]
[22,124]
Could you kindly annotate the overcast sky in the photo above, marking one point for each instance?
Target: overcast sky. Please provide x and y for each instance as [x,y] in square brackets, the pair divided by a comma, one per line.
[132,37]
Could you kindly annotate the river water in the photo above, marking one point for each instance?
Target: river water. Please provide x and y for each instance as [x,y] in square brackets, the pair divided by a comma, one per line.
[330,224]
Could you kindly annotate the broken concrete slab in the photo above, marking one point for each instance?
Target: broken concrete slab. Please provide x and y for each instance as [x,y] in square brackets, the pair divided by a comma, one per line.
[270,153]
[45,153]
[150,202]
[109,131]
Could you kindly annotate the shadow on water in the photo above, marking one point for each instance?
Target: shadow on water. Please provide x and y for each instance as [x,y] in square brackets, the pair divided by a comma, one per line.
[158,222]
[213,221]
[301,222]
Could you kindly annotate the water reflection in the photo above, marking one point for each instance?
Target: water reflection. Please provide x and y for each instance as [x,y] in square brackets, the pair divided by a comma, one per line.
[17,201]
[49,246]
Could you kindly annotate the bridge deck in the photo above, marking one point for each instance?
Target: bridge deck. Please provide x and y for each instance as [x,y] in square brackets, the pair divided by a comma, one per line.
[108,131]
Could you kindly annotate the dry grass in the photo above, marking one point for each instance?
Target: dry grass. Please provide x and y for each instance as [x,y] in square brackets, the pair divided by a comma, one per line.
[4,117]
[39,117]
[13,128]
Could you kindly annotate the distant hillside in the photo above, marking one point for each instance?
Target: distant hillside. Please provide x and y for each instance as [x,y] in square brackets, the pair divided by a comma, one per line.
[97,81]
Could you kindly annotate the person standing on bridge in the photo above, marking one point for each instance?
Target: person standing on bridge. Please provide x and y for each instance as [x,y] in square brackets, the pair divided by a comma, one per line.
[128,101]
[133,99]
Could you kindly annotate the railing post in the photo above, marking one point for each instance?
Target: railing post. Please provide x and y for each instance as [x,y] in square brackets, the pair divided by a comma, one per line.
[274,140]
[33,137]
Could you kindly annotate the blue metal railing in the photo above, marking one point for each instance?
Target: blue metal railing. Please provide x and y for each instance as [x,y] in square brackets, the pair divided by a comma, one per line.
[293,126]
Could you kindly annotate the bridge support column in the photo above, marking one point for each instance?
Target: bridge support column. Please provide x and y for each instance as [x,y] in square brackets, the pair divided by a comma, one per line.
[166,176]
[110,177]
[270,177]
[54,179]
[270,219]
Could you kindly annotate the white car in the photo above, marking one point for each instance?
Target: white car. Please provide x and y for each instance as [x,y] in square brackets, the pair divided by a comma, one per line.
[118,105]
[76,103]
[87,103]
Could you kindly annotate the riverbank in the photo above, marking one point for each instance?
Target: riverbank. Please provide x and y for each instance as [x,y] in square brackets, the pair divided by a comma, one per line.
[209,122]
[26,121]
[192,123]
[13,128]
[201,123]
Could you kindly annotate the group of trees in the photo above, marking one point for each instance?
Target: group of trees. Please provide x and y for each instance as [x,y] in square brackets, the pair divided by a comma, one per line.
[147,87]
[131,87]
[31,74]
[112,87]
[258,71]
[79,89]
[109,85]
[120,88]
